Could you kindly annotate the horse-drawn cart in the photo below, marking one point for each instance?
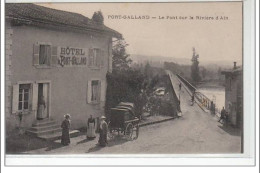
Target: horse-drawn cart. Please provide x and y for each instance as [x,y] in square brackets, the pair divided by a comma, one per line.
[124,121]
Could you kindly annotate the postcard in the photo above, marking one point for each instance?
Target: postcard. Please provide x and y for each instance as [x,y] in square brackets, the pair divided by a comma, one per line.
[162,80]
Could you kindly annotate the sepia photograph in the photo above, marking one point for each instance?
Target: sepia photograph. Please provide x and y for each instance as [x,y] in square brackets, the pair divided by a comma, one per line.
[124,78]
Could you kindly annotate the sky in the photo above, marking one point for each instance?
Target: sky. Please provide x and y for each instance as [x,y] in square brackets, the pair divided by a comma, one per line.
[214,40]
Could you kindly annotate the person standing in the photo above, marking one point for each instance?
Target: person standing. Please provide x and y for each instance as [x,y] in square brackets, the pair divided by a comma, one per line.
[180,86]
[91,128]
[192,97]
[41,108]
[65,137]
[103,128]
[222,114]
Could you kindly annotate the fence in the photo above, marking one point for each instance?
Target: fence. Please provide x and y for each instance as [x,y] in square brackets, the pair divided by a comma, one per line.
[189,85]
[202,100]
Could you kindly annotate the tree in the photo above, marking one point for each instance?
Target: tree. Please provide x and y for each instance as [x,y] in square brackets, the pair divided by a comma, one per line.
[121,60]
[195,67]
[203,73]
[148,70]
[125,86]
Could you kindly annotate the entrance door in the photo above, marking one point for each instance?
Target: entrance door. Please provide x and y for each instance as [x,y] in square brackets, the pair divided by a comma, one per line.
[43,101]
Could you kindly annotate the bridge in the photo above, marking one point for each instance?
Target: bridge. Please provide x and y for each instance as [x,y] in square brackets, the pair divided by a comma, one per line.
[206,104]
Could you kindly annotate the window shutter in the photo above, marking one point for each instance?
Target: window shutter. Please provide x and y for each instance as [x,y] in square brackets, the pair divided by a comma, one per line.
[48,50]
[90,57]
[36,50]
[54,55]
[89,92]
[99,91]
[102,61]
[35,96]
[15,98]
[98,57]
[103,91]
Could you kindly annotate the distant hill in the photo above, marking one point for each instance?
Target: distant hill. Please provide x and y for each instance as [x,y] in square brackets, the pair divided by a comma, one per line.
[158,61]
[143,59]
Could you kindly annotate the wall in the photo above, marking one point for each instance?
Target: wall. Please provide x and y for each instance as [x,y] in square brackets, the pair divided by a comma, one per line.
[231,97]
[68,84]
[8,73]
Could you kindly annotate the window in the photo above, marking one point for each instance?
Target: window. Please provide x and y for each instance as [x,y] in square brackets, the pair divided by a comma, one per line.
[24,95]
[45,55]
[96,58]
[94,91]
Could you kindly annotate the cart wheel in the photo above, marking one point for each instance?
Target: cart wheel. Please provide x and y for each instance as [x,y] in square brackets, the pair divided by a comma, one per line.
[129,131]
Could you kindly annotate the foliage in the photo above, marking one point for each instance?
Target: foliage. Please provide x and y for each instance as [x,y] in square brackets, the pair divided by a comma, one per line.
[98,17]
[121,60]
[168,108]
[203,73]
[148,70]
[195,67]
[124,86]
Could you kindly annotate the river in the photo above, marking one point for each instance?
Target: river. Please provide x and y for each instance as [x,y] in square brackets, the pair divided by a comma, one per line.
[217,92]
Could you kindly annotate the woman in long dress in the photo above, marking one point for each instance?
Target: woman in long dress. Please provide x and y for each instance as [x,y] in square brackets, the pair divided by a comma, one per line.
[41,108]
[65,138]
[103,128]
[91,128]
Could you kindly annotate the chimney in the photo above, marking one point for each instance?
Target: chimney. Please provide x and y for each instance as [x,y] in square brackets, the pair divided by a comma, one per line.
[235,65]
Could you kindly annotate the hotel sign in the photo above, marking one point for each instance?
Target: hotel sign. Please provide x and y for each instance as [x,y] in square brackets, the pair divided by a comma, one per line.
[69,56]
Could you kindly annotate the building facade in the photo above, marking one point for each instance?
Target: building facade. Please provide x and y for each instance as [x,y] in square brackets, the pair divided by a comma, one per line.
[234,95]
[56,63]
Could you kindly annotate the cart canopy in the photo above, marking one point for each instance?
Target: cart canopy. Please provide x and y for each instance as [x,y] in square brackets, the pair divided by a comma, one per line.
[120,115]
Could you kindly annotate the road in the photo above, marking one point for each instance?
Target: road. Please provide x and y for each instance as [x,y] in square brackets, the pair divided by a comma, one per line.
[195,132]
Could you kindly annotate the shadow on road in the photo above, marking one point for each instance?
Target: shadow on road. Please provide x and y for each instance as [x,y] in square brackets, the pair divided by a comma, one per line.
[95,148]
[21,143]
[117,140]
[230,130]
[53,146]
[84,141]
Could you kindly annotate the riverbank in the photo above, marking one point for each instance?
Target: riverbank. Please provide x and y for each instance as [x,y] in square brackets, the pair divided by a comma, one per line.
[214,83]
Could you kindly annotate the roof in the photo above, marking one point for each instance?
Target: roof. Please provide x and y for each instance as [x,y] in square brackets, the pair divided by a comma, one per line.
[237,70]
[128,104]
[31,14]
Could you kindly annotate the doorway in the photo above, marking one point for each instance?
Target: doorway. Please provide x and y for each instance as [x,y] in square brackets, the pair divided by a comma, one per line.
[43,101]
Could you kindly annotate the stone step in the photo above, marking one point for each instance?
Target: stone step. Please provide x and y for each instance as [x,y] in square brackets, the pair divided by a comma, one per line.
[43,123]
[43,128]
[44,120]
[57,135]
[44,132]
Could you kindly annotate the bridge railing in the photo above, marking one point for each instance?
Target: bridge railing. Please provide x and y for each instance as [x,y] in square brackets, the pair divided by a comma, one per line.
[189,85]
[203,100]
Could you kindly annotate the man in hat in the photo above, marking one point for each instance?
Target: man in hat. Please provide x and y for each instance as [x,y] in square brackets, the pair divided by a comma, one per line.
[103,128]
[65,138]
